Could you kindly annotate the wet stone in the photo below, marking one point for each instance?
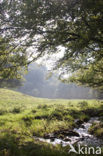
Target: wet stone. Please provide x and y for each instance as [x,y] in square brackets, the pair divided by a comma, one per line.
[82,126]
[67,139]
[49,136]
[78,122]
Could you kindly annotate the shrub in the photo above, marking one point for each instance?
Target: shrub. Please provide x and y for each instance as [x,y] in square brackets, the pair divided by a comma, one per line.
[43,106]
[83,104]
[2,111]
[16,110]
[34,111]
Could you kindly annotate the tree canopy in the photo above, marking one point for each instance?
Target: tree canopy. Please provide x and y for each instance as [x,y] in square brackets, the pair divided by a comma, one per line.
[44,25]
[12,61]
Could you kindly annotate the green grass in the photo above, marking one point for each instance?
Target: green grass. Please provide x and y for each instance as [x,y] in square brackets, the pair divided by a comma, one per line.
[97,129]
[23,116]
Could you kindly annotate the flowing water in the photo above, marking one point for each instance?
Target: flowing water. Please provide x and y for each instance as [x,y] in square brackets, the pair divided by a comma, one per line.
[84,137]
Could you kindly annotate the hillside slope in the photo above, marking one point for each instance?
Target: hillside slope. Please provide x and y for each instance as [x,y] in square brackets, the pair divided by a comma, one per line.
[10,99]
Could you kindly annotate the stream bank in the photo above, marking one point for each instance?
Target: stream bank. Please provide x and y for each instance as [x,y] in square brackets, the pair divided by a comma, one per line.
[79,135]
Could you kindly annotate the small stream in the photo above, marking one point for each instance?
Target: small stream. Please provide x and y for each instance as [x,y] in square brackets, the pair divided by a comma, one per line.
[83,137]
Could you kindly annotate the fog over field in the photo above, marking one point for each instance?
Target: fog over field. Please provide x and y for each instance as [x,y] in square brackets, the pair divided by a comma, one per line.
[37,84]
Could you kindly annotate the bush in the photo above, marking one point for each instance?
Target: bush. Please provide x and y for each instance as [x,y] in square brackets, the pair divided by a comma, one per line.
[44,106]
[34,111]
[16,110]
[83,104]
[2,111]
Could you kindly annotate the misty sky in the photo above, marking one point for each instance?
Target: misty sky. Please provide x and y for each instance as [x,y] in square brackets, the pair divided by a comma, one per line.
[37,84]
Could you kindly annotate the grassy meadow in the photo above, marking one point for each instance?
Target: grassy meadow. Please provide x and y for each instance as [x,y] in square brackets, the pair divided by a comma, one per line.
[23,116]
